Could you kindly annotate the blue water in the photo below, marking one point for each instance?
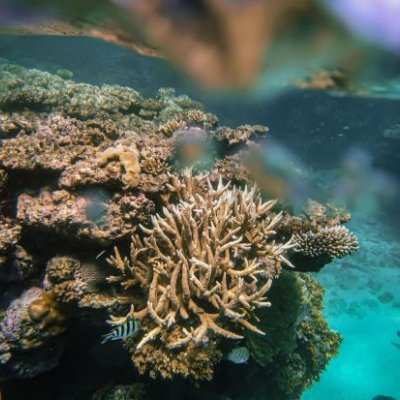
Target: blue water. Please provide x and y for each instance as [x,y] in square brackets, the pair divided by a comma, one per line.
[368,362]
[318,128]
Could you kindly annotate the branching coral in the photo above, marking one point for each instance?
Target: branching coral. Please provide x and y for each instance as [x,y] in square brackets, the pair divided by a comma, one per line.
[320,236]
[205,265]
[91,166]
[55,142]
[331,241]
[20,88]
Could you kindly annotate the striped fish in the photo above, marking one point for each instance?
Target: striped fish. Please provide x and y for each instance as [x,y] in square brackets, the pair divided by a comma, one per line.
[122,331]
[240,355]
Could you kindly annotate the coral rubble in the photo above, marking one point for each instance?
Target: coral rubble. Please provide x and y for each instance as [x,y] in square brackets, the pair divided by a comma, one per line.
[84,169]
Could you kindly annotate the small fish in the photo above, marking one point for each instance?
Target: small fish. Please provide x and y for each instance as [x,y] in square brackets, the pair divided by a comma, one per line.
[240,355]
[122,331]
[398,333]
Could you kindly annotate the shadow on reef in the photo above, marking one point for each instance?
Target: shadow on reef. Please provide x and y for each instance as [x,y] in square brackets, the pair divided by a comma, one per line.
[202,263]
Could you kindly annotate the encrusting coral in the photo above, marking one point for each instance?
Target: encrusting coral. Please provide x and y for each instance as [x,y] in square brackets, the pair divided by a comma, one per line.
[91,215]
[86,168]
[205,264]
[31,322]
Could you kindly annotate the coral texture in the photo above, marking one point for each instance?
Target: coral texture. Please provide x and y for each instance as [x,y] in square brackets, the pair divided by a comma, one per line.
[205,264]
[84,169]
[332,241]
[31,322]
[296,333]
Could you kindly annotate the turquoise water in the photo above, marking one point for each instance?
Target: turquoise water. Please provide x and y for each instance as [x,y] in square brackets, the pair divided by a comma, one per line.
[362,292]
[368,361]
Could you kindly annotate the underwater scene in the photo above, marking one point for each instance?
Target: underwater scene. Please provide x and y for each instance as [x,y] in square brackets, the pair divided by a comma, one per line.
[199,200]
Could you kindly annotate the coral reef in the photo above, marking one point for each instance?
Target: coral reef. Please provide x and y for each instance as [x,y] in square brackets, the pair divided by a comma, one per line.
[205,264]
[309,346]
[120,392]
[90,215]
[320,236]
[331,241]
[242,134]
[32,325]
[84,169]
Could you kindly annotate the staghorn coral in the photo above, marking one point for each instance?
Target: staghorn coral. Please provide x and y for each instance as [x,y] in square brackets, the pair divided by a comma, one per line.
[331,241]
[205,265]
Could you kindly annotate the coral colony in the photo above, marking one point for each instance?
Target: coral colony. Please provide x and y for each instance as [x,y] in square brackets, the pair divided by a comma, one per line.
[203,263]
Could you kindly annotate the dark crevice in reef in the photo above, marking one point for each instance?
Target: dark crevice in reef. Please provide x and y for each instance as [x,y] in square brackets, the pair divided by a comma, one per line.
[195,262]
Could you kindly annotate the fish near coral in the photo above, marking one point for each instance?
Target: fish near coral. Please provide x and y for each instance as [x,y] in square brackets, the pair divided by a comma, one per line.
[123,331]
[239,355]
[204,265]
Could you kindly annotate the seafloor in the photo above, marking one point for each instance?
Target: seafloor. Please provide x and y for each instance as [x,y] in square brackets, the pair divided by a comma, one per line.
[362,298]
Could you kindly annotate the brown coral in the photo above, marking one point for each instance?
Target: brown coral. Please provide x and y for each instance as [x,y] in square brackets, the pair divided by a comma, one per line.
[332,241]
[242,134]
[91,215]
[205,264]
[192,361]
[129,158]
[69,280]
[54,144]
[171,126]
